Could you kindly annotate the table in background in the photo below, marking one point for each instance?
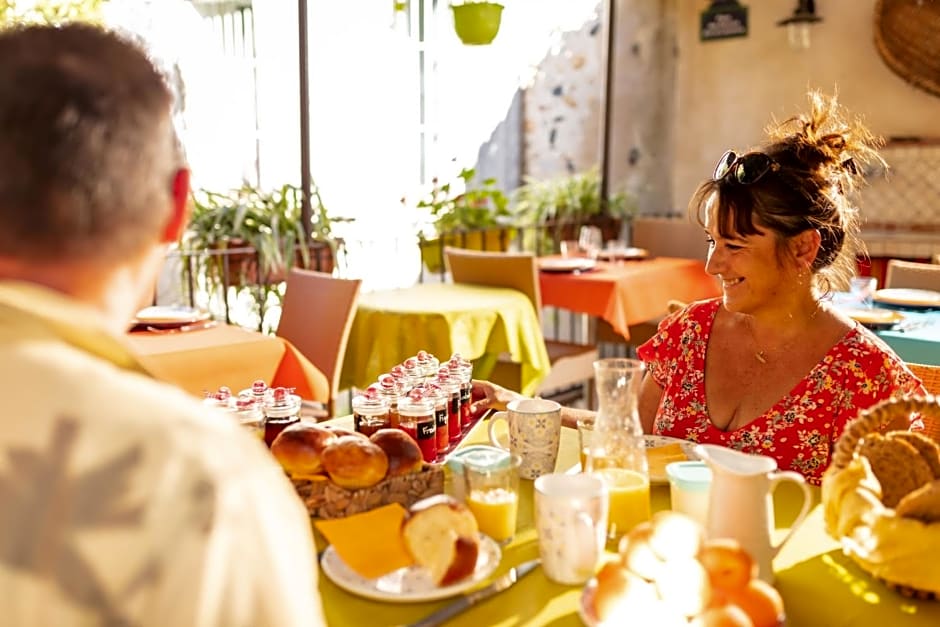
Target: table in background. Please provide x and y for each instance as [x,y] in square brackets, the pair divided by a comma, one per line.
[820,586]
[476,321]
[205,359]
[917,339]
[624,293]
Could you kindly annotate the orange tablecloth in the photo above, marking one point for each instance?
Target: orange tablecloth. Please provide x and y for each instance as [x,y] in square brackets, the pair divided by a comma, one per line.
[202,360]
[628,292]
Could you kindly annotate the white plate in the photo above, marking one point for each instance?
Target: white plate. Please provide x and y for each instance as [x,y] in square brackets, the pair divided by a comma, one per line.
[625,253]
[657,441]
[409,584]
[902,297]
[170,316]
[586,604]
[875,318]
[566,264]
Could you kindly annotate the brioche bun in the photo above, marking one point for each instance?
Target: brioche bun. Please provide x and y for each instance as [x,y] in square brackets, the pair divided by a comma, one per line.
[404,455]
[299,448]
[354,462]
[441,535]
[341,431]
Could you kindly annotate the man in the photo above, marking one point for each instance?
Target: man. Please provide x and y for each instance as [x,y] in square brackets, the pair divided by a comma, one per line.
[122,502]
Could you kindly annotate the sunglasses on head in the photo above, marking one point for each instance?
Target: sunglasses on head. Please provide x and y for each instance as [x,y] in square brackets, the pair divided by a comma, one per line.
[744,170]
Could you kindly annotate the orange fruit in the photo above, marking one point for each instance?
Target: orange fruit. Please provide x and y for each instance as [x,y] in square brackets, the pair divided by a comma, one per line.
[726,616]
[619,590]
[728,565]
[760,601]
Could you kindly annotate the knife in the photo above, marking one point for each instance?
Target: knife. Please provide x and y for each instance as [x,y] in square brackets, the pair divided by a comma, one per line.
[469,600]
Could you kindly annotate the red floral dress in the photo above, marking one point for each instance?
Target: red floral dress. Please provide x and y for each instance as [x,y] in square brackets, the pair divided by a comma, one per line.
[802,428]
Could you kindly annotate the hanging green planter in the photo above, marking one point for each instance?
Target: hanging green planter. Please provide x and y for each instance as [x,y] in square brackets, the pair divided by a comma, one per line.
[477,23]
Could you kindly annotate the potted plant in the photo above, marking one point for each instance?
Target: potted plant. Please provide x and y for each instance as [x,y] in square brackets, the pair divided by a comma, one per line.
[563,204]
[477,218]
[248,238]
[477,23]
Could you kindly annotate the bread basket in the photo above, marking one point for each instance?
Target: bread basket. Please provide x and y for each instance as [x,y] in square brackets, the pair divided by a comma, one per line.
[897,543]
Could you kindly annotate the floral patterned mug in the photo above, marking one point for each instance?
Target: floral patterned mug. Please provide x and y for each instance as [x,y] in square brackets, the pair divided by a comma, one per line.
[534,431]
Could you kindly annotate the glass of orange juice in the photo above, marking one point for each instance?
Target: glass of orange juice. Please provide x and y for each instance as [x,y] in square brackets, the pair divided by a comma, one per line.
[629,498]
[492,494]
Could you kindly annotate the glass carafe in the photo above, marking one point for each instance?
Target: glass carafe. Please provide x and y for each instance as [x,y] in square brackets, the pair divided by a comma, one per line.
[617,452]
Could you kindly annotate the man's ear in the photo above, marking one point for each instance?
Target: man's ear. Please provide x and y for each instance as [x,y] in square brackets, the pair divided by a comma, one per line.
[180,215]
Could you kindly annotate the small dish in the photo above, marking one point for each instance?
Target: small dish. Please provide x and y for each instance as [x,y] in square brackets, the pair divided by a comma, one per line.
[410,584]
[626,253]
[163,317]
[566,264]
[875,318]
[908,298]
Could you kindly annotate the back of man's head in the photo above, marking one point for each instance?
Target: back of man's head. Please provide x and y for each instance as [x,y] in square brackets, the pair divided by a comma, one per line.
[87,148]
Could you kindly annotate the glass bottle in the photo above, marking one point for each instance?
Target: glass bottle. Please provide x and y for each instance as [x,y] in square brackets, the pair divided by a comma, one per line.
[370,411]
[280,411]
[416,415]
[617,452]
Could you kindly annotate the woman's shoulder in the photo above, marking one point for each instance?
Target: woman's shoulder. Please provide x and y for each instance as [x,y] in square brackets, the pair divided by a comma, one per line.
[696,312]
[861,349]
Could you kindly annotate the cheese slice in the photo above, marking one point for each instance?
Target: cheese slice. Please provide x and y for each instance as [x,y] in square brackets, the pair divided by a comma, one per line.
[659,456]
[369,543]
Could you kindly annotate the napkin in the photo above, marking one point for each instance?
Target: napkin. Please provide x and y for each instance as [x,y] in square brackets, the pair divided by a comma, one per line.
[369,543]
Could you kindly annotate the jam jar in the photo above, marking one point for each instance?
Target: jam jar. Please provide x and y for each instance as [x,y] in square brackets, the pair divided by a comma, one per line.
[250,415]
[370,411]
[390,391]
[281,410]
[416,414]
[451,387]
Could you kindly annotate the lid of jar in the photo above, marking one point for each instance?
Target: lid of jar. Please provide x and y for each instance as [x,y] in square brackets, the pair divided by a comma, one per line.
[691,476]
[370,400]
[415,401]
[479,455]
[282,403]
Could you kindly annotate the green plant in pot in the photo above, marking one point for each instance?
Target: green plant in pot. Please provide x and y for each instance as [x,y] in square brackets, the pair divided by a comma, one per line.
[247,238]
[477,23]
[562,204]
[477,218]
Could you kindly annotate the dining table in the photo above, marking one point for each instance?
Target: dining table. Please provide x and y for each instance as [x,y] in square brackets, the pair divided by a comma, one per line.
[627,292]
[215,354]
[478,322]
[820,586]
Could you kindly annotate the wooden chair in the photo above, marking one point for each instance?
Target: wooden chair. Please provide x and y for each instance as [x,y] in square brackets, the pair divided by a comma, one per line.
[930,377]
[924,276]
[572,364]
[316,317]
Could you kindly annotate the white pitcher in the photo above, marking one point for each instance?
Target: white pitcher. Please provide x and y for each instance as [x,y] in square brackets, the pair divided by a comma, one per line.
[741,503]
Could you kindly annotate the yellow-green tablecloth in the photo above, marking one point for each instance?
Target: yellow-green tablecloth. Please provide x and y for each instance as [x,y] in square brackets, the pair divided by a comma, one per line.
[820,586]
[478,322]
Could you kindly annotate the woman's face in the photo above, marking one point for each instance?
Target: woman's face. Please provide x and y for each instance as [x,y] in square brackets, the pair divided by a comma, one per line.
[749,268]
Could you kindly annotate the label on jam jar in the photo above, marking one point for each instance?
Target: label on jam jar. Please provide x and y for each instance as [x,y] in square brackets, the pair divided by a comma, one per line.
[465,415]
[367,425]
[427,439]
[453,417]
[443,435]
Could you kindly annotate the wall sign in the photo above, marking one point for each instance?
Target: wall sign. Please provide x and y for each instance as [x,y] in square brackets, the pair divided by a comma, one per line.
[723,19]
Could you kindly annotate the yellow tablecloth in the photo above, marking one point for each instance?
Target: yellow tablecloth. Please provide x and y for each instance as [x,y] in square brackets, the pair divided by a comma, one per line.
[478,322]
[820,586]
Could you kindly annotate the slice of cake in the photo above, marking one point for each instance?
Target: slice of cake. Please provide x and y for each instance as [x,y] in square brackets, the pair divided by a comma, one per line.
[441,535]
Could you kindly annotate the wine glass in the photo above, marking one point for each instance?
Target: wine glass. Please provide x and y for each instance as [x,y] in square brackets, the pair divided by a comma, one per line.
[590,241]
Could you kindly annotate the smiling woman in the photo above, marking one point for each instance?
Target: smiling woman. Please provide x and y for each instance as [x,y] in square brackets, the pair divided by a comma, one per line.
[781,225]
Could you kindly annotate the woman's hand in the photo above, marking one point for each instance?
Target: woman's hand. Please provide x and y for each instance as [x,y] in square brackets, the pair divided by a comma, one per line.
[486,395]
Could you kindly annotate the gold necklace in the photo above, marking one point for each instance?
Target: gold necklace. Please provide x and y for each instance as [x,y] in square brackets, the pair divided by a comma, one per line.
[760,354]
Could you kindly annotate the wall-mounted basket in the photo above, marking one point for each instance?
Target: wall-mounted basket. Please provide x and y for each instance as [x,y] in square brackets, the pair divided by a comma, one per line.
[907,35]
[477,23]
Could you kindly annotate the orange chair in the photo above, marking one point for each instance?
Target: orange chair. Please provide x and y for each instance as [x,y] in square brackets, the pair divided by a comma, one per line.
[924,276]
[316,317]
[930,377]
[572,364]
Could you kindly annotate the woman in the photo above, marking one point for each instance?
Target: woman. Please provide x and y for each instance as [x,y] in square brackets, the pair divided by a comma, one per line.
[767,367]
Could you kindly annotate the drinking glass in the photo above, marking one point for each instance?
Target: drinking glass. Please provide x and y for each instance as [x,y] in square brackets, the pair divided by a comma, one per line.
[590,240]
[862,289]
[492,494]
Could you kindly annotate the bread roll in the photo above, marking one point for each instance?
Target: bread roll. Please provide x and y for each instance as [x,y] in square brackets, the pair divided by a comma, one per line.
[340,431]
[354,462]
[299,448]
[442,535]
[404,455]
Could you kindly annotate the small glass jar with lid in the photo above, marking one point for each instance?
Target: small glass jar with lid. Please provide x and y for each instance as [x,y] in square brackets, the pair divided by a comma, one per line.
[370,411]
[390,391]
[440,398]
[416,414]
[250,415]
[451,387]
[281,410]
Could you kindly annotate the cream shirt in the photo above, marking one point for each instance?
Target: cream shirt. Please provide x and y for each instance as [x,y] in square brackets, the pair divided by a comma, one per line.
[124,501]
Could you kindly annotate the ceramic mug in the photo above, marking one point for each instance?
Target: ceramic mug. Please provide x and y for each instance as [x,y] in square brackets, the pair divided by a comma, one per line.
[534,432]
[571,521]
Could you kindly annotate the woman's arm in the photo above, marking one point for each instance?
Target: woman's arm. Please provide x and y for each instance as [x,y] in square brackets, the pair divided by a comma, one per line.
[488,395]
[648,404]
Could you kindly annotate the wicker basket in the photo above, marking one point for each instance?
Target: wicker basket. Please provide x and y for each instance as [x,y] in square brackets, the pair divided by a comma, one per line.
[325,499]
[907,35]
[900,551]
